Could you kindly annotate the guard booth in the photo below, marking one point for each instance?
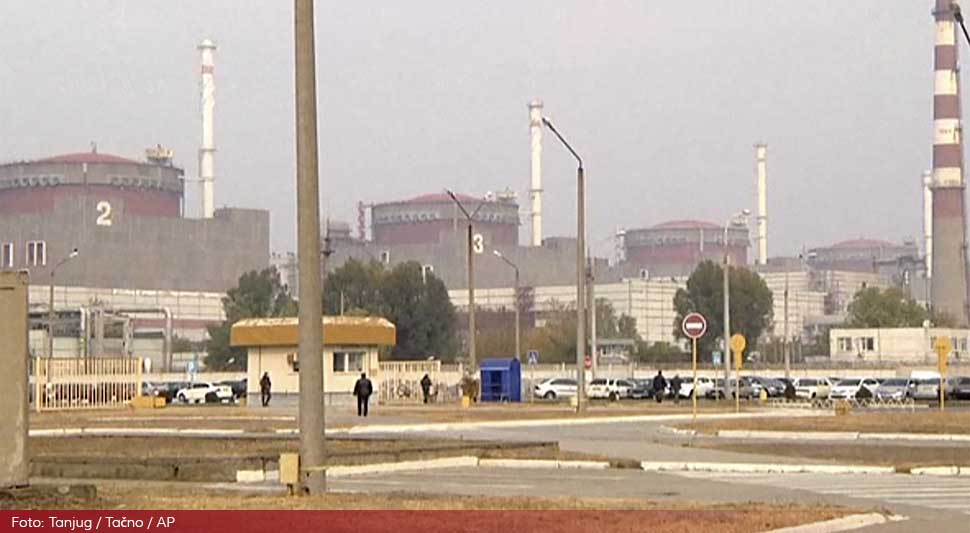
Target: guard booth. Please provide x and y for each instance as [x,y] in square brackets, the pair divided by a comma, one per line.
[501,380]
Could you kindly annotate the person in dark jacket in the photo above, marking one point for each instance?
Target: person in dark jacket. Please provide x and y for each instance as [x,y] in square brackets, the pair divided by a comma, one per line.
[789,390]
[659,385]
[265,388]
[363,390]
[675,388]
[426,387]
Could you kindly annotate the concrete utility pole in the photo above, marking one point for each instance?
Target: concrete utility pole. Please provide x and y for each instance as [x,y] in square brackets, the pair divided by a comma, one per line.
[785,349]
[580,268]
[591,311]
[727,298]
[515,299]
[50,304]
[313,455]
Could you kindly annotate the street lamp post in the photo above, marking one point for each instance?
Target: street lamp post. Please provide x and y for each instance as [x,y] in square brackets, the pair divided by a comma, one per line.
[472,360]
[518,345]
[580,268]
[733,220]
[50,304]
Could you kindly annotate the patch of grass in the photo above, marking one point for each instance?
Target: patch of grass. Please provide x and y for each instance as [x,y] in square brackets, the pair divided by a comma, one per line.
[901,457]
[956,422]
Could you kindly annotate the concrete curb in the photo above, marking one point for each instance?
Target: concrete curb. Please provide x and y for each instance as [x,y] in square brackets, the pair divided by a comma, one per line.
[544,463]
[845,523]
[837,435]
[547,422]
[132,432]
[762,468]
[377,468]
[941,471]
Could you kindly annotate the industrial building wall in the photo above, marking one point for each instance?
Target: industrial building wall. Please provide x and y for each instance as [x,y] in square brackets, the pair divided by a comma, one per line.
[138,252]
[904,345]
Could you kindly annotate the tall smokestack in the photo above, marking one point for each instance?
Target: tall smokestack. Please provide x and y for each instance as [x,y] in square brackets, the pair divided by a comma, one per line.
[928,223]
[208,150]
[761,166]
[535,193]
[948,293]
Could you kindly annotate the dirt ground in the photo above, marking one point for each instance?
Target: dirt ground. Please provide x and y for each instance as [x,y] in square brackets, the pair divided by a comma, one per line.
[957,422]
[572,514]
[341,451]
[256,419]
[901,457]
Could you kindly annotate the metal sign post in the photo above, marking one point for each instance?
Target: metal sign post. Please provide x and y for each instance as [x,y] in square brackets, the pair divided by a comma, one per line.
[693,326]
[738,343]
[533,361]
[943,348]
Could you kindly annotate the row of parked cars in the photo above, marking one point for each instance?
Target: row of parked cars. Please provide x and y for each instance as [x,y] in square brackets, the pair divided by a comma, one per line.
[197,391]
[750,387]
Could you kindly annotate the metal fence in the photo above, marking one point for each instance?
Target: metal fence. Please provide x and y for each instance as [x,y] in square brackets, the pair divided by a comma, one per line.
[401,381]
[85,383]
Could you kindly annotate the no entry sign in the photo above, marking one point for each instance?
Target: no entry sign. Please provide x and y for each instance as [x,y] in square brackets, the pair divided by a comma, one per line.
[694,325]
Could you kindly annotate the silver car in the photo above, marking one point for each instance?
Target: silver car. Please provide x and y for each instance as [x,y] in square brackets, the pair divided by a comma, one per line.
[895,389]
[553,388]
[926,389]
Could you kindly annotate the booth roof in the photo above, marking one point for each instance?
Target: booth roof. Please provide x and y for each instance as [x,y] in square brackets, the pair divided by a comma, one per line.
[337,331]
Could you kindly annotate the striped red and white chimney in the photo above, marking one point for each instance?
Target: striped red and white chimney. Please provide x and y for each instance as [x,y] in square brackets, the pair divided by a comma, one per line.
[949,276]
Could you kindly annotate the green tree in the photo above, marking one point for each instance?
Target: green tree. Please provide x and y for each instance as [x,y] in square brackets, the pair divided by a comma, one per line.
[606,322]
[360,284]
[626,326]
[422,311]
[890,308]
[259,294]
[751,304]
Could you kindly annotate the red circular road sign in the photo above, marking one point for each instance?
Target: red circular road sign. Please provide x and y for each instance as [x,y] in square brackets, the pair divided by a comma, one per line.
[694,325]
[589,362]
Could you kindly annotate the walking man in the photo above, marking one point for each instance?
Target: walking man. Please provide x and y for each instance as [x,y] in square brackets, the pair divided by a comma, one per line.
[675,388]
[426,387]
[363,390]
[659,385]
[265,388]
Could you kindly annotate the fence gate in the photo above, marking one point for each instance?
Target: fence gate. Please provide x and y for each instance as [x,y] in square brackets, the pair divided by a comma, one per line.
[85,383]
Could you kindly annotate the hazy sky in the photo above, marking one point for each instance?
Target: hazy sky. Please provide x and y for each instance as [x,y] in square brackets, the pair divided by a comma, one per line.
[664,100]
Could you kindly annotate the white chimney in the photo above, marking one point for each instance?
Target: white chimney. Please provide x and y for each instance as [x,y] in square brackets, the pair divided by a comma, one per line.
[208,149]
[535,193]
[928,222]
[761,154]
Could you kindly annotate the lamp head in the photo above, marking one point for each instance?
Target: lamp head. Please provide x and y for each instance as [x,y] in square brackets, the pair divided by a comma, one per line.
[497,253]
[74,253]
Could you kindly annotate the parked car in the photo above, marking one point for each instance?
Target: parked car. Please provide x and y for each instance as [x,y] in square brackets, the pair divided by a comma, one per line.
[169,390]
[642,389]
[895,389]
[774,387]
[926,389]
[704,384]
[205,392]
[846,389]
[812,388]
[958,387]
[238,387]
[609,388]
[719,390]
[553,388]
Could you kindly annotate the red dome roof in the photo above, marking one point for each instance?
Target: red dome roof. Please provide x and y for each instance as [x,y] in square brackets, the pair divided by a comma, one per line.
[86,157]
[687,224]
[863,243]
[436,198]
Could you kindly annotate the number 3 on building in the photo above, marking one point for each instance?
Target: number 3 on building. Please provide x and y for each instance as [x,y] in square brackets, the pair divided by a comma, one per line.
[478,243]
[104,214]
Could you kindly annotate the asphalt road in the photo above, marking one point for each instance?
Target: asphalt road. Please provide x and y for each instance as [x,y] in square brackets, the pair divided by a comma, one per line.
[942,504]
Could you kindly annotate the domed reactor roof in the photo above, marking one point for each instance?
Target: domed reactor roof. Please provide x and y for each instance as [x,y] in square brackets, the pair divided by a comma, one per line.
[148,188]
[675,247]
[435,217]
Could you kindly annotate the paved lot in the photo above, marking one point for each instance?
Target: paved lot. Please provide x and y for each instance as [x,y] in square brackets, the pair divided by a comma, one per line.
[939,504]
[944,493]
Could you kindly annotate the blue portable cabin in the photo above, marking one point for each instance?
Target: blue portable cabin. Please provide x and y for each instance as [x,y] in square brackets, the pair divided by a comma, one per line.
[501,380]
